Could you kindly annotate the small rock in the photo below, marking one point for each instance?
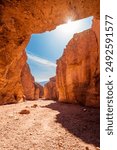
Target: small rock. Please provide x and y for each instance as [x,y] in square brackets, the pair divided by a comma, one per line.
[24,111]
[34,106]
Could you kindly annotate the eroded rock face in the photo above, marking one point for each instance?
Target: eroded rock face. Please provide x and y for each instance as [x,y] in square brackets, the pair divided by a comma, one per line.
[18,20]
[50,90]
[28,83]
[78,71]
[31,90]
[11,90]
[39,91]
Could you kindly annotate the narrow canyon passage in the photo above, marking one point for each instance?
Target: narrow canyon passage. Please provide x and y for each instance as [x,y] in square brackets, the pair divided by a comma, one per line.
[67,71]
[50,125]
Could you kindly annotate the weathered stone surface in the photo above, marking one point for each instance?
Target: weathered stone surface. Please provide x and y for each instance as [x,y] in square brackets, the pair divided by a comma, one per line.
[36,95]
[11,90]
[50,90]
[78,71]
[31,90]
[39,91]
[18,20]
[27,81]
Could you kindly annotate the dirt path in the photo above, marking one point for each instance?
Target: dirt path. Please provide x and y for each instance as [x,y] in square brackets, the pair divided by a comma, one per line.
[49,126]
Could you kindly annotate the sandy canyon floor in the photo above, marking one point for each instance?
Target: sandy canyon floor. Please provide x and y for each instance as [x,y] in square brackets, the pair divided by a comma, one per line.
[50,125]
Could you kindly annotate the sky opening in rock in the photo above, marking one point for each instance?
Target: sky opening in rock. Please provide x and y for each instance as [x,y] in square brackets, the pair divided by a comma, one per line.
[44,49]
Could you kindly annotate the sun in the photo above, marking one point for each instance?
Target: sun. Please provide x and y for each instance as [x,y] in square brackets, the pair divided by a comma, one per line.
[69,27]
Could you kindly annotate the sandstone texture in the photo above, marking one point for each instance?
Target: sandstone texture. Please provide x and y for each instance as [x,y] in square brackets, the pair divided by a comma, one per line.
[31,89]
[11,90]
[18,20]
[28,84]
[39,91]
[50,90]
[78,73]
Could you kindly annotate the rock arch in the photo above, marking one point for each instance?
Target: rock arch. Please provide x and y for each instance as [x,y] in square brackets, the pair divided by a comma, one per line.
[18,20]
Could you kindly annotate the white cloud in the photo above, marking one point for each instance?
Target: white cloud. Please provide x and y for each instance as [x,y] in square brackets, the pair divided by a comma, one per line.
[41,60]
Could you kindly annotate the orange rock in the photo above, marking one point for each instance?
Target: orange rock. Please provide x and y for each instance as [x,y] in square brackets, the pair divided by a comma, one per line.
[27,81]
[18,20]
[78,74]
[31,90]
[38,91]
[24,111]
[36,94]
[11,90]
[50,91]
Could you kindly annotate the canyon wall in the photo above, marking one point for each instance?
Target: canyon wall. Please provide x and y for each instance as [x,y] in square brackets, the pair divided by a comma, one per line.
[10,90]
[39,91]
[18,20]
[78,72]
[50,90]
[31,90]
[27,81]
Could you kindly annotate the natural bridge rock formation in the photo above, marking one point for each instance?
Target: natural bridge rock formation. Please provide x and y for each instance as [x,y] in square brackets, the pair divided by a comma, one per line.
[18,20]
[50,90]
[78,72]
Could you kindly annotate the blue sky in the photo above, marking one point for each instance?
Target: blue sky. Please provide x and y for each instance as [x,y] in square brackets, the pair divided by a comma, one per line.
[44,49]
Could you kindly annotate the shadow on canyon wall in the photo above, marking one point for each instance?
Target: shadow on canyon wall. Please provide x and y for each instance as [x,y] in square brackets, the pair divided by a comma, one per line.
[83,122]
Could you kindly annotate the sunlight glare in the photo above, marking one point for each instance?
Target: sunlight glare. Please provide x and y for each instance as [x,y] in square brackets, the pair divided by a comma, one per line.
[72,27]
[69,28]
